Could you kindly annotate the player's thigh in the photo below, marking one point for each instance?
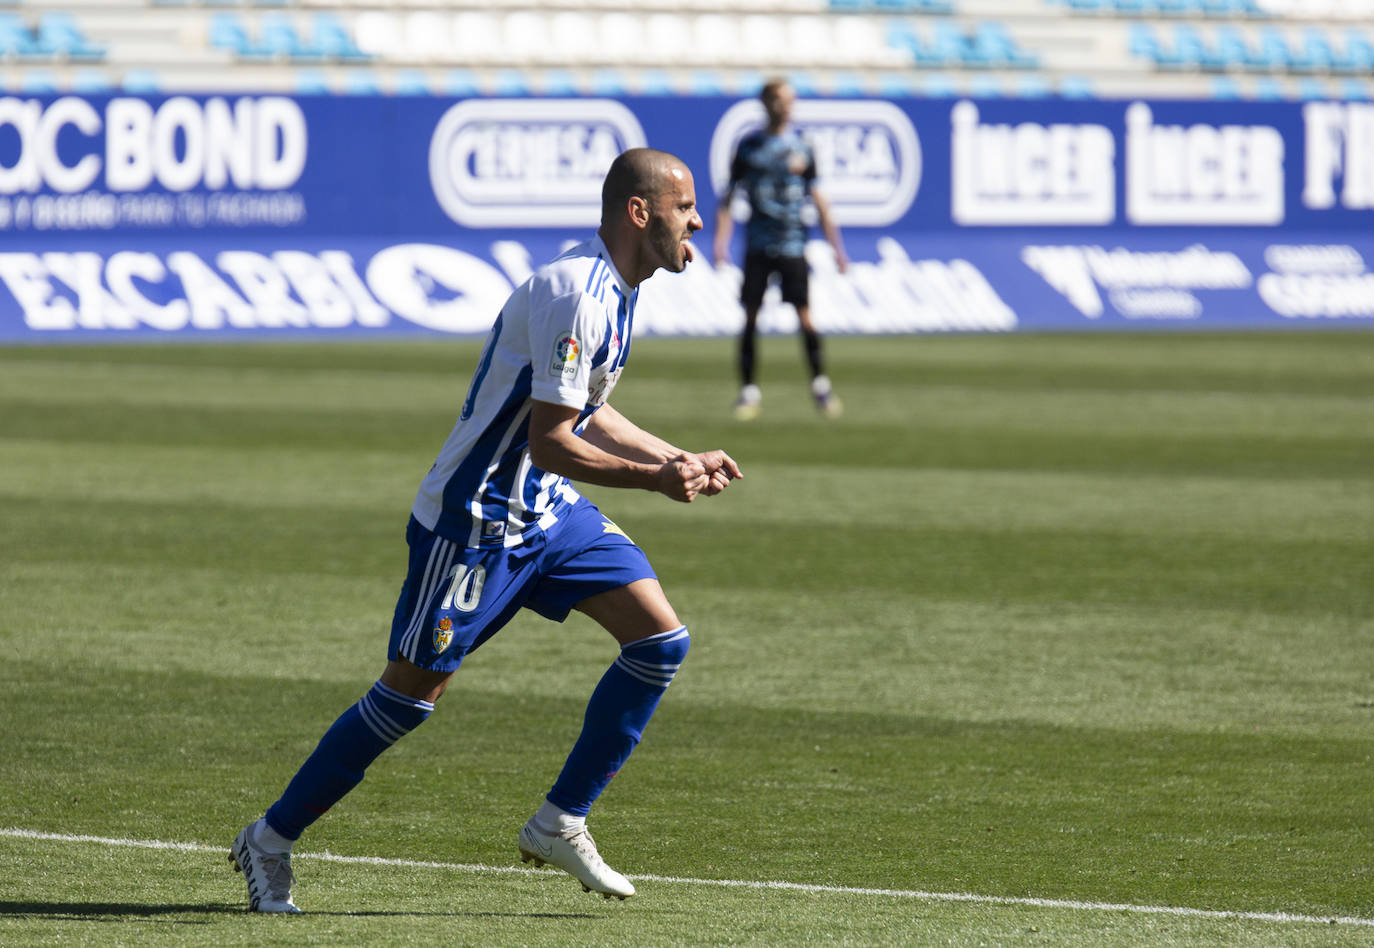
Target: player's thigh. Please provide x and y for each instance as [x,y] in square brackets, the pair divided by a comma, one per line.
[795,279]
[632,612]
[758,267]
[594,567]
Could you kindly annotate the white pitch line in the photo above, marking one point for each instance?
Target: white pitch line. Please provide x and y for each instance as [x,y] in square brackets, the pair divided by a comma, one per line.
[915,894]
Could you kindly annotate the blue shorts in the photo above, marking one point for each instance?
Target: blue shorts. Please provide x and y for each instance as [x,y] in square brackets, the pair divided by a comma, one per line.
[455,598]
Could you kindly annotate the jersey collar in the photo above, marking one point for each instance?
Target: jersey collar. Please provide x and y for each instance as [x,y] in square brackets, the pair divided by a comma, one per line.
[599,246]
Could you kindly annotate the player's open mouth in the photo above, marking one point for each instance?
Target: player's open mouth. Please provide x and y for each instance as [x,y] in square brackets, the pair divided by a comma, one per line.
[687,252]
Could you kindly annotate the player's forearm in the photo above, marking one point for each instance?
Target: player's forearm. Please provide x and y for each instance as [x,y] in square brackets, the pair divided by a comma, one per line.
[579,459]
[614,433]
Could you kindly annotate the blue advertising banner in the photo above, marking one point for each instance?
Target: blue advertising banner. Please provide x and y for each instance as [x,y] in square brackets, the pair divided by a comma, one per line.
[239,216]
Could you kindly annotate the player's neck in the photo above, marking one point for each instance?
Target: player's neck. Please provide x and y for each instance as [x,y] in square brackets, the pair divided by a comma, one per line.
[624,255]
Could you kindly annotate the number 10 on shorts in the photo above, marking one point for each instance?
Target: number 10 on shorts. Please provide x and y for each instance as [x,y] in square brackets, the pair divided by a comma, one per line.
[465,590]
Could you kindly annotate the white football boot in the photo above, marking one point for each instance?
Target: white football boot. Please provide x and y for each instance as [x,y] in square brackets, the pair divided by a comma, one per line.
[268,875]
[576,855]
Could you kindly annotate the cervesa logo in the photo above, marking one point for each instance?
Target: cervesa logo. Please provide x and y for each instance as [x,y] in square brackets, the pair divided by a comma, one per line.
[528,162]
[868,157]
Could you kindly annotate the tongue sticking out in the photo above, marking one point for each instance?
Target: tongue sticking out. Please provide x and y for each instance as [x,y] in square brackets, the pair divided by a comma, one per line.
[688,252]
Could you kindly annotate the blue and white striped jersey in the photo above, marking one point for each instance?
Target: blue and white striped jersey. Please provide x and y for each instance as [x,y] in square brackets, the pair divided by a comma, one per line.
[563,336]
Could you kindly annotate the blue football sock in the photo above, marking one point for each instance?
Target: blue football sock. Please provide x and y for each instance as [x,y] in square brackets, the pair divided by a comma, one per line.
[617,714]
[381,718]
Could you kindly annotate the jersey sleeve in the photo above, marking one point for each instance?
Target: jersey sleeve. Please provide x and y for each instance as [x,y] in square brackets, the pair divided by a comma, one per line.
[565,331]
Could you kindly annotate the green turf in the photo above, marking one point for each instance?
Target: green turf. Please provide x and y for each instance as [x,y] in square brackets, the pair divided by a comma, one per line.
[1073,618]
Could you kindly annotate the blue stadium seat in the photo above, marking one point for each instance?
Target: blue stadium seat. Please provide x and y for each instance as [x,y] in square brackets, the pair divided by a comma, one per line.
[16,39]
[1357,54]
[38,81]
[361,82]
[804,83]
[277,36]
[1275,49]
[1087,6]
[411,82]
[1076,87]
[91,82]
[1191,49]
[59,34]
[658,82]
[1355,90]
[940,86]
[949,47]
[1172,7]
[986,87]
[312,82]
[1310,88]
[461,83]
[1131,7]
[609,82]
[1233,52]
[512,82]
[141,82]
[332,39]
[228,32]
[1143,43]
[901,36]
[1226,88]
[1034,86]
[1267,88]
[994,45]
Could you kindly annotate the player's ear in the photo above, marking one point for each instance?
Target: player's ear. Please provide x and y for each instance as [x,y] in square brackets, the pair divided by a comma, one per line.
[638,209]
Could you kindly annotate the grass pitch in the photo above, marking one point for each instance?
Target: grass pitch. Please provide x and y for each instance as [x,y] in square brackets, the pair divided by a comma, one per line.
[1050,624]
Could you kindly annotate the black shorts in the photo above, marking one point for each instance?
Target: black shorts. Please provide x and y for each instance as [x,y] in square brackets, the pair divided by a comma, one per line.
[792,274]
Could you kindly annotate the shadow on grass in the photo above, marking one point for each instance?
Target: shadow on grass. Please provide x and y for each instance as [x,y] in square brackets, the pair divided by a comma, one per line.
[74,911]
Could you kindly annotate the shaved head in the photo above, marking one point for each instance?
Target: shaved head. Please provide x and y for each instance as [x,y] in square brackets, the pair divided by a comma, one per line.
[638,172]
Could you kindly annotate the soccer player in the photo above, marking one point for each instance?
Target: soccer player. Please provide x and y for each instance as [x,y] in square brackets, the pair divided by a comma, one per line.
[777,171]
[496,525]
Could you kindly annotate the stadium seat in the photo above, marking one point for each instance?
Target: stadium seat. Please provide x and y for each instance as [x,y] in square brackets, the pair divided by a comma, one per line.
[1225,88]
[1357,54]
[1275,49]
[16,40]
[1143,43]
[1355,90]
[1132,7]
[1076,87]
[994,45]
[312,82]
[91,82]
[411,82]
[59,35]
[460,83]
[1231,49]
[1310,88]
[141,82]
[656,82]
[38,81]
[1191,49]
[332,39]
[277,37]
[609,82]
[361,82]
[228,32]
[949,47]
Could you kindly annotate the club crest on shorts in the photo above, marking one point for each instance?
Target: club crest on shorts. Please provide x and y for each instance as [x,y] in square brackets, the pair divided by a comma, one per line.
[443,634]
[564,362]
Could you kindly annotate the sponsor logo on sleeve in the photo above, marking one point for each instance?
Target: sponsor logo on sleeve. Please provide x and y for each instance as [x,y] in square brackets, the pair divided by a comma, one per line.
[565,350]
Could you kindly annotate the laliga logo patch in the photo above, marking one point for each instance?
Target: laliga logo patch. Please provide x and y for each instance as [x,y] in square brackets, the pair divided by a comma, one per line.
[868,157]
[565,350]
[528,162]
[443,634]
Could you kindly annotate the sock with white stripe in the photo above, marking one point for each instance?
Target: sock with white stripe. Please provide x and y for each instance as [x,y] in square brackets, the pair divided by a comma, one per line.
[381,718]
[619,710]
